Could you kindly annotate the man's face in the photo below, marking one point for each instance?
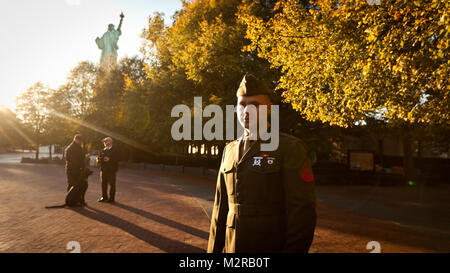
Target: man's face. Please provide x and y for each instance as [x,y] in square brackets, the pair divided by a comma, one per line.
[243,109]
[107,143]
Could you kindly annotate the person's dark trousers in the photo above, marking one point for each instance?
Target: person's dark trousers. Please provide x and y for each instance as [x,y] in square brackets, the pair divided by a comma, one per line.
[83,192]
[108,178]
[72,179]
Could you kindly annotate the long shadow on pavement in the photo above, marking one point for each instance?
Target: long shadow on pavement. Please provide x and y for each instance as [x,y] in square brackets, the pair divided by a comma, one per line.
[352,223]
[196,232]
[150,237]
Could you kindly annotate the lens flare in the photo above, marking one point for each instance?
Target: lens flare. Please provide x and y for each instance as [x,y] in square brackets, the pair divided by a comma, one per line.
[8,118]
[103,131]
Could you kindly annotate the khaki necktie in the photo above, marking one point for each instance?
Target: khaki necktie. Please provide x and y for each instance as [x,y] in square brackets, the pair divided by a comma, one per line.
[245,146]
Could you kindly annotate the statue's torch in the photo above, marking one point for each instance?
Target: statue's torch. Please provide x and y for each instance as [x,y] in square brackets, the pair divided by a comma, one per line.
[121,19]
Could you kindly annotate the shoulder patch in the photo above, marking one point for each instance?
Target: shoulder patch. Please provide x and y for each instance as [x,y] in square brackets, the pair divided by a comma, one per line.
[306,172]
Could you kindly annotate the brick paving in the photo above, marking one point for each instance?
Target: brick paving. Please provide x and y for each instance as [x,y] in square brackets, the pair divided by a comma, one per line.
[149,216]
[401,219]
[167,212]
[348,217]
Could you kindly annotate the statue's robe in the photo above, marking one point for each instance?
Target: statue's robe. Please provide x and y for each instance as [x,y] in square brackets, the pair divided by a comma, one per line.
[108,45]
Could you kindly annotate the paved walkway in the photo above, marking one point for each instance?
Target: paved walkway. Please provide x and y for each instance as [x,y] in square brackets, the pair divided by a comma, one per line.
[149,216]
[399,219]
[167,212]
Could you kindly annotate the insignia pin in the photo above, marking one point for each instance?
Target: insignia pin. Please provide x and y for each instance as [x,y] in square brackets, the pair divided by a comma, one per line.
[257,161]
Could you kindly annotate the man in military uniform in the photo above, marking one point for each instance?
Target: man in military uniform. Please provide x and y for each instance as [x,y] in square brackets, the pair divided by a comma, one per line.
[265,200]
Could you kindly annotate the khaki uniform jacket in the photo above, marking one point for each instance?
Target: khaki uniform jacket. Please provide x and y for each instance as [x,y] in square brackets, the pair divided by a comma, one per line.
[264,202]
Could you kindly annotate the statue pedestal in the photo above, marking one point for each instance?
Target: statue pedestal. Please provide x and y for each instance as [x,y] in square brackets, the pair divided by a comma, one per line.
[109,62]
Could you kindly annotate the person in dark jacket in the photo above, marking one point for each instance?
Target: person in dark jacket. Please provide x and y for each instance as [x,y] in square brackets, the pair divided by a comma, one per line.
[109,165]
[75,163]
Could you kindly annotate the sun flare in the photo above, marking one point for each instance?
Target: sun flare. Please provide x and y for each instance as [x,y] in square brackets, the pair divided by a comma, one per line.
[5,102]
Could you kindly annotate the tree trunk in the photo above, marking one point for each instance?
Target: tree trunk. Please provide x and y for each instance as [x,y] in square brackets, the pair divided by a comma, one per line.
[50,151]
[37,139]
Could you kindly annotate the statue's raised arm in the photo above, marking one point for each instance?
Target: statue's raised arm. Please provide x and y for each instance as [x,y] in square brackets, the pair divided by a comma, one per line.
[119,28]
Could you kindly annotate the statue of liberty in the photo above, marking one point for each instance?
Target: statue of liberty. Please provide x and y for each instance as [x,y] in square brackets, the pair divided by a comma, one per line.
[108,45]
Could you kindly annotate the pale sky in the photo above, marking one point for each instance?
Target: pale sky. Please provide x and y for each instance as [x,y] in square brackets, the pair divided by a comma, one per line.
[41,40]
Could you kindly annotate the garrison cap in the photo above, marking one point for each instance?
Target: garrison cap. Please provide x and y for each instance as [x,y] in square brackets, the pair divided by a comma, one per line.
[251,86]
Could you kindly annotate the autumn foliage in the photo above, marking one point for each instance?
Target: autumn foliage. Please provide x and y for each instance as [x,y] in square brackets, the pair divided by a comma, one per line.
[344,61]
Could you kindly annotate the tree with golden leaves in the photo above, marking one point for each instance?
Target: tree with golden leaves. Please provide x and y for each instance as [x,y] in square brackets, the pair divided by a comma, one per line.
[343,61]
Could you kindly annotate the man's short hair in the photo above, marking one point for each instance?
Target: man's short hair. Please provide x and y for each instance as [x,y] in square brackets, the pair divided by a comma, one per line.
[78,137]
[107,139]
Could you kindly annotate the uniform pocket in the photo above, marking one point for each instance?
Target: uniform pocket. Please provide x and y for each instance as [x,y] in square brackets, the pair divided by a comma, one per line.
[229,173]
[266,179]
[267,170]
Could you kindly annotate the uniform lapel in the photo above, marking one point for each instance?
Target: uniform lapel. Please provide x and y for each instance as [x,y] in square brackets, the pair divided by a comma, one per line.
[237,149]
[235,152]
[254,148]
